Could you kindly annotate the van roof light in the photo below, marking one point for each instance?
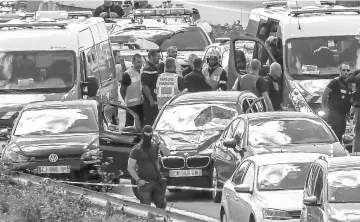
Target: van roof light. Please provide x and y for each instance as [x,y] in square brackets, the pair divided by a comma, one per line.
[297,3]
[56,15]
[268,4]
[325,10]
[33,24]
[163,12]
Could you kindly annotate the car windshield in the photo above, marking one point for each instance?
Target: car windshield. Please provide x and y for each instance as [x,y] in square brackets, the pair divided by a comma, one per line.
[320,57]
[56,121]
[193,117]
[344,185]
[285,176]
[36,70]
[192,39]
[288,131]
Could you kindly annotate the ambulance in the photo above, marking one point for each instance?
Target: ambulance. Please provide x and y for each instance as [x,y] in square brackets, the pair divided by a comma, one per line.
[54,55]
[316,37]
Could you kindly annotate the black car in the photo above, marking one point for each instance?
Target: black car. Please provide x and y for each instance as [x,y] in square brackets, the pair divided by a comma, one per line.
[68,138]
[267,132]
[189,123]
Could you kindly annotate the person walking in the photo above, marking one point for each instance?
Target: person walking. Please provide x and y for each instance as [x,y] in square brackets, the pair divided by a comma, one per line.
[143,166]
[120,65]
[274,85]
[171,53]
[168,83]
[195,81]
[190,68]
[336,101]
[109,10]
[215,75]
[130,90]
[149,78]
[254,83]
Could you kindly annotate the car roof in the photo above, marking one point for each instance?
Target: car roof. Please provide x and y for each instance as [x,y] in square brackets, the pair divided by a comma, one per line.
[210,96]
[281,114]
[71,103]
[345,161]
[279,158]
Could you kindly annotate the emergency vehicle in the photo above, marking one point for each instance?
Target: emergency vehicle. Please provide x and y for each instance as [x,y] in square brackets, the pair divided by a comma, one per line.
[192,39]
[54,55]
[315,38]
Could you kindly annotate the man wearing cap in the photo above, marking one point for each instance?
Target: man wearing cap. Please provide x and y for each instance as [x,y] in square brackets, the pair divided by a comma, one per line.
[109,10]
[189,69]
[143,166]
[215,75]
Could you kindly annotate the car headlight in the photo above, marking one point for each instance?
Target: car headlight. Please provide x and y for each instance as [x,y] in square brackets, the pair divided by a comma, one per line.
[273,214]
[299,102]
[13,155]
[92,151]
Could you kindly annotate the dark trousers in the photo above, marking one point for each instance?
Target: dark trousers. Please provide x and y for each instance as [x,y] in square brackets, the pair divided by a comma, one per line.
[150,114]
[139,110]
[337,121]
[153,192]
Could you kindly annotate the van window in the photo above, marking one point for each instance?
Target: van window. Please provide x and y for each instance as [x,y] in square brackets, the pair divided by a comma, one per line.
[85,39]
[104,35]
[320,57]
[96,34]
[51,70]
[106,61]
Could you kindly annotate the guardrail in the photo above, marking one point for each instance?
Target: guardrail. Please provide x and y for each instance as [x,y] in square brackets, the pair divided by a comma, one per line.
[127,206]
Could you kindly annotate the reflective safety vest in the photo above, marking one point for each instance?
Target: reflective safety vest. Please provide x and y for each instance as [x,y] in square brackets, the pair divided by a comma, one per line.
[166,88]
[133,93]
[214,79]
[248,82]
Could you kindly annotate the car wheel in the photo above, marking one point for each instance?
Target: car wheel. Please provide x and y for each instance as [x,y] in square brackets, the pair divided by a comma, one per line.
[135,189]
[216,195]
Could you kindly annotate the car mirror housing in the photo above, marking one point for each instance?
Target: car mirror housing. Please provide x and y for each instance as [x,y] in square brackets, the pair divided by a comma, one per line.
[242,188]
[231,143]
[113,128]
[310,201]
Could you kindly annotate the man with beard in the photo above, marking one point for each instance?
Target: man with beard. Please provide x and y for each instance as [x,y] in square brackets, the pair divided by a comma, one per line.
[336,101]
[274,82]
[145,155]
[216,76]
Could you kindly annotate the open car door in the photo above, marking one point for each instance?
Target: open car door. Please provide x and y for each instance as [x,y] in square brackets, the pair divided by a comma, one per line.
[238,65]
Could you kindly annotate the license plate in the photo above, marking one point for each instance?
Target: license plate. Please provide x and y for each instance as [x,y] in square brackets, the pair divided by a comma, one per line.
[54,169]
[185,173]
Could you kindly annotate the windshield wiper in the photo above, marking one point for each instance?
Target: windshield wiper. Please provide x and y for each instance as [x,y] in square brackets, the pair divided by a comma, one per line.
[10,91]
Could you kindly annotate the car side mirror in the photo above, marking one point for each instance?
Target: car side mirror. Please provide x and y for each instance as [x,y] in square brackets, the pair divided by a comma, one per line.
[129,129]
[231,143]
[5,134]
[242,188]
[346,139]
[90,87]
[112,127]
[310,201]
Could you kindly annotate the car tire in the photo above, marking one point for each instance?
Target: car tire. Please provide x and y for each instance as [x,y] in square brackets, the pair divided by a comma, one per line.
[215,195]
[135,189]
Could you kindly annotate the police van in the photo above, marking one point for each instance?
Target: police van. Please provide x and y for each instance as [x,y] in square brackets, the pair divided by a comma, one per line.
[54,55]
[315,39]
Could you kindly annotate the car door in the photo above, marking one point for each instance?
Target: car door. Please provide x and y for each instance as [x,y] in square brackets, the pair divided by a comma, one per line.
[229,191]
[308,211]
[117,140]
[225,157]
[248,45]
[240,206]
[317,212]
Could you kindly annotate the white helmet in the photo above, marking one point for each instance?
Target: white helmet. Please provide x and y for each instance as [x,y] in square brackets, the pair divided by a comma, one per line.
[213,53]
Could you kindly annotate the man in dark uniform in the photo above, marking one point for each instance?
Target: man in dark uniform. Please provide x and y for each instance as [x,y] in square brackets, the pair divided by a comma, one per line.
[149,78]
[109,10]
[190,68]
[145,155]
[336,101]
[195,81]
[274,83]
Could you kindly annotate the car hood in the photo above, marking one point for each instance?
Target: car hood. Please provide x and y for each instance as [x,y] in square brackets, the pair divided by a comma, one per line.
[312,90]
[333,149]
[195,141]
[11,104]
[64,145]
[349,211]
[283,200]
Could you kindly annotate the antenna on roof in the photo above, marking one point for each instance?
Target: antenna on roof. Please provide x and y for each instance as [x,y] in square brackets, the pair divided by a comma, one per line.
[298,17]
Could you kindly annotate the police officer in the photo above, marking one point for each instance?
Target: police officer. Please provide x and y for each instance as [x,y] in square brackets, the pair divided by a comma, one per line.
[336,101]
[169,83]
[195,81]
[131,90]
[149,78]
[214,73]
[109,10]
[171,53]
[254,83]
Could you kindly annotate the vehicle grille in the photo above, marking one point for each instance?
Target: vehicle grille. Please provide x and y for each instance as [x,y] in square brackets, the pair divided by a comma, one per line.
[173,162]
[197,161]
[295,214]
[46,158]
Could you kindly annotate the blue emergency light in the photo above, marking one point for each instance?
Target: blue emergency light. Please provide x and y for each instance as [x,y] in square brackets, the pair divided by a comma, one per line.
[163,12]
[57,15]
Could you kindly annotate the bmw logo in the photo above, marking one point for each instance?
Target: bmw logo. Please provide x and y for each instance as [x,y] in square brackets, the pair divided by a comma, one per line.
[53,158]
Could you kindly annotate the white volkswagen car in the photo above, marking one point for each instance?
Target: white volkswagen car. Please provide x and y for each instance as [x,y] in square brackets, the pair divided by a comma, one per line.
[267,187]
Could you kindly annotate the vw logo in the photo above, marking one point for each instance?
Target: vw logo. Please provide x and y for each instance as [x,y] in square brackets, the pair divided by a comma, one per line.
[186,154]
[53,158]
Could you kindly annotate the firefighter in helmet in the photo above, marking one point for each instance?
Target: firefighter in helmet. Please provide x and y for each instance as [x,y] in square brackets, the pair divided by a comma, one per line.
[215,75]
